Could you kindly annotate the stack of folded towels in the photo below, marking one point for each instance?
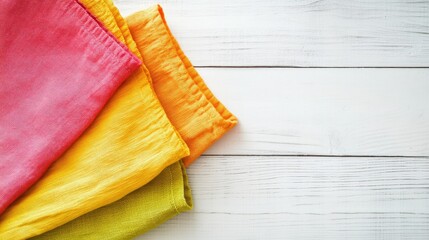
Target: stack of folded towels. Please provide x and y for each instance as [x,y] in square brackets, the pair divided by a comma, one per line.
[99,117]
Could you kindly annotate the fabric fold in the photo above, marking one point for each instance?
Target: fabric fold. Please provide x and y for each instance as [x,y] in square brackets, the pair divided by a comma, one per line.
[130,142]
[166,196]
[197,114]
[201,119]
[51,53]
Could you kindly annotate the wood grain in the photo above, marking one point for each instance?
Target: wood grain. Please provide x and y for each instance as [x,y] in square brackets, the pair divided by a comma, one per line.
[308,33]
[324,111]
[366,129]
[252,197]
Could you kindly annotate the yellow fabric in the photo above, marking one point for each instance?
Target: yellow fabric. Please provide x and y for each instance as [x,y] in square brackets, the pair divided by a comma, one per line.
[162,198]
[195,112]
[147,207]
[129,143]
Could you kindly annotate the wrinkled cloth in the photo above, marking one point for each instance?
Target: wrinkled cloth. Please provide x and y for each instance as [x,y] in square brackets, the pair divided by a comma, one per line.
[152,205]
[147,207]
[129,143]
[51,56]
[197,114]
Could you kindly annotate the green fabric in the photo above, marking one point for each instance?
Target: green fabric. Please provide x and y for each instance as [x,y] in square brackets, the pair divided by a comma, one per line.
[156,202]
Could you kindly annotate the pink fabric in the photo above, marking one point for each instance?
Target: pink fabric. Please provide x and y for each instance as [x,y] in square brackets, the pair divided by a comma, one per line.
[58,68]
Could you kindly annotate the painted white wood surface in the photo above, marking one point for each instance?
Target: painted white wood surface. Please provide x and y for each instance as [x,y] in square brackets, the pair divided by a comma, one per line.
[298,32]
[266,179]
[304,198]
[324,111]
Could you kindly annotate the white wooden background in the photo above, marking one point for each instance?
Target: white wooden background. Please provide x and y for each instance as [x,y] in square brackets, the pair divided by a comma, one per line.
[333,102]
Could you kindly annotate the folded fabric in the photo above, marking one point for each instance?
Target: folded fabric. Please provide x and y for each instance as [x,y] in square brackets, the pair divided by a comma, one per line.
[51,54]
[144,209]
[130,142]
[164,197]
[192,108]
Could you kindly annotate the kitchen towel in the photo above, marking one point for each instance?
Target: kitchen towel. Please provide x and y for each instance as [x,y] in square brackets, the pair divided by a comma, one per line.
[130,142]
[51,56]
[144,209]
[147,207]
[190,105]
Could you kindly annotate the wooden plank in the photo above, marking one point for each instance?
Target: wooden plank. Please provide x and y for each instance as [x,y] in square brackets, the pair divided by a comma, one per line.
[253,197]
[324,111]
[298,33]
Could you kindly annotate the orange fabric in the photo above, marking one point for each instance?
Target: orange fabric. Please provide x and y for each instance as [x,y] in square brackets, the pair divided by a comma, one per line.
[197,115]
[200,119]
[195,112]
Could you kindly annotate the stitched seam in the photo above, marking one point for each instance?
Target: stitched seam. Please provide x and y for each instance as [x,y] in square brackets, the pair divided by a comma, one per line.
[184,79]
[172,191]
[190,82]
[193,73]
[102,39]
[152,92]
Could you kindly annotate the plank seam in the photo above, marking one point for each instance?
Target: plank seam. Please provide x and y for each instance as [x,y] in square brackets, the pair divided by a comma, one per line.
[314,155]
